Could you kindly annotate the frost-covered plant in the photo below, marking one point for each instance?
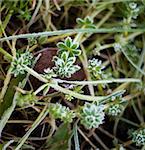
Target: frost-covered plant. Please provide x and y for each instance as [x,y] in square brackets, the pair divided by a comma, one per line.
[138,137]
[95,67]
[115,105]
[65,61]
[69,46]
[64,65]
[21,60]
[115,109]
[86,23]
[61,112]
[92,115]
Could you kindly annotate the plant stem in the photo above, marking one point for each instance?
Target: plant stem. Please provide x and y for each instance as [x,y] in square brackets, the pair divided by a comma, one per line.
[72,93]
[6,54]
[35,74]
[71,31]
[35,13]
[6,82]
[121,80]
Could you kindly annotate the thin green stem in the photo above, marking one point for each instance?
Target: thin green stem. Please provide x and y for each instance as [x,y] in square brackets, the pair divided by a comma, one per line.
[35,74]
[40,88]
[6,82]
[35,13]
[121,80]
[72,31]
[72,93]
[129,122]
[76,95]
[6,54]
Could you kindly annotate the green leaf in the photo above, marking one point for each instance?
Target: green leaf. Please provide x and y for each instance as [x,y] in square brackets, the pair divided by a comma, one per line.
[68,42]
[91,26]
[9,104]
[88,20]
[77,52]
[61,45]
[6,115]
[64,56]
[80,21]
[60,140]
[75,46]
[76,138]
[71,60]
[8,98]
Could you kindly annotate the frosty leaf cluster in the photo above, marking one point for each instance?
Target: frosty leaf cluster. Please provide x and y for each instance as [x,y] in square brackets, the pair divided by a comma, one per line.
[133,9]
[96,69]
[115,109]
[138,137]
[64,65]
[115,106]
[92,115]
[64,62]
[20,61]
[59,111]
[49,73]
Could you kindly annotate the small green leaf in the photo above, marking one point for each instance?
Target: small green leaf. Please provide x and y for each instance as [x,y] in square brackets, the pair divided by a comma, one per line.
[68,41]
[80,21]
[75,46]
[61,45]
[64,56]
[77,52]
[72,60]
[91,26]
[88,20]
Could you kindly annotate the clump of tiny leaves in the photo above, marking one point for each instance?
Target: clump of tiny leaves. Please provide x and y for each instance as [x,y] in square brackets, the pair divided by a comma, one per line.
[20,61]
[96,68]
[59,111]
[49,73]
[29,98]
[68,51]
[92,115]
[138,137]
[64,65]
[115,107]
